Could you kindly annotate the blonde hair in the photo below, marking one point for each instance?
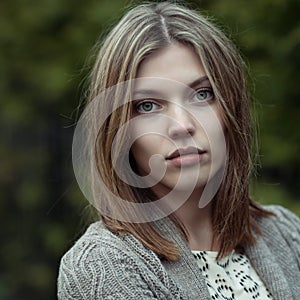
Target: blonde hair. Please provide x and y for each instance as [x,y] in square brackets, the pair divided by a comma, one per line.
[142,31]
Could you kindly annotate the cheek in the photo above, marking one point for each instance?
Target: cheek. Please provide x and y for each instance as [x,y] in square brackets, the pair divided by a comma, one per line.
[146,139]
[138,143]
[209,121]
[139,149]
[217,142]
[148,155]
[212,126]
[142,150]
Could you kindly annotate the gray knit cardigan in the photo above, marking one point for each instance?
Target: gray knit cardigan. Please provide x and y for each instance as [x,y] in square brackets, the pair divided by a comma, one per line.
[103,265]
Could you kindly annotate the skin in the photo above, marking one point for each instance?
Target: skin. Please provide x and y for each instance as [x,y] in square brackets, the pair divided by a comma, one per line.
[176,117]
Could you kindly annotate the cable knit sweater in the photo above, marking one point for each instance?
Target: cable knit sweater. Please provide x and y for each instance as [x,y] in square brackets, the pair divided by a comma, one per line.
[103,265]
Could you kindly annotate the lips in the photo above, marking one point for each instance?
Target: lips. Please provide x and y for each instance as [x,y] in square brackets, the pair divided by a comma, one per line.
[184,152]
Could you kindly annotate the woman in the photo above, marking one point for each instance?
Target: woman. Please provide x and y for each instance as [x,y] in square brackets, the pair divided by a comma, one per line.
[169,175]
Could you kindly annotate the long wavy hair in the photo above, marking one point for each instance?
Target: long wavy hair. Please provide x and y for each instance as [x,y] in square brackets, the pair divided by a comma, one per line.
[142,31]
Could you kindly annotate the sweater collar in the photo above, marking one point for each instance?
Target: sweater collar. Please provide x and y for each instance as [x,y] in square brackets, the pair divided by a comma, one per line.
[186,271]
[267,267]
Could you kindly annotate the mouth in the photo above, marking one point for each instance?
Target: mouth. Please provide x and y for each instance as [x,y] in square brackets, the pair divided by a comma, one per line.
[185,156]
[185,151]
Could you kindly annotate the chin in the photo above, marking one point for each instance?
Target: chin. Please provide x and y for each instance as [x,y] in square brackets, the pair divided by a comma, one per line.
[186,185]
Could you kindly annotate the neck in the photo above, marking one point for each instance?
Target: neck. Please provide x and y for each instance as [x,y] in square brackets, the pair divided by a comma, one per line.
[198,223]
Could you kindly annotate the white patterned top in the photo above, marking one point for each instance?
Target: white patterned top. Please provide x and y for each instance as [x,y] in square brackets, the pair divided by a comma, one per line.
[231,278]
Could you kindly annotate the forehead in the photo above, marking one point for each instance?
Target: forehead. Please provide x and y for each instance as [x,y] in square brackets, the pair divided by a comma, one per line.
[176,62]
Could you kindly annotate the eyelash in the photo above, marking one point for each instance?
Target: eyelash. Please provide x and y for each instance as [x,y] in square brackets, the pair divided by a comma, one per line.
[206,89]
[140,103]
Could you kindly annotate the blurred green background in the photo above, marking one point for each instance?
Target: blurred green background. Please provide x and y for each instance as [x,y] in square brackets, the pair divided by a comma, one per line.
[44,46]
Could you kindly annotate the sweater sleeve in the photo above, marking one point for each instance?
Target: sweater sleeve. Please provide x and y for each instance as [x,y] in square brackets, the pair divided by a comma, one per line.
[91,271]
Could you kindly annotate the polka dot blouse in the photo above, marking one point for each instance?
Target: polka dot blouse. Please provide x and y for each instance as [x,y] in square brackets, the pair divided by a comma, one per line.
[230,278]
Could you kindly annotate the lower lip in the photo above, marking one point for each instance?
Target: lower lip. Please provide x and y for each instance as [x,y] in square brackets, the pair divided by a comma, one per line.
[186,160]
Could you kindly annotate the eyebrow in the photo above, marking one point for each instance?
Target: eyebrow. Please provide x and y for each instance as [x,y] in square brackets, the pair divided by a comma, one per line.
[155,93]
[198,81]
[147,93]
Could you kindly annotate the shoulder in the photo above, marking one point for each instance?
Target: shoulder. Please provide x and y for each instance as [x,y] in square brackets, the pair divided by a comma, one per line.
[282,217]
[282,227]
[103,265]
[276,253]
[98,243]
[96,240]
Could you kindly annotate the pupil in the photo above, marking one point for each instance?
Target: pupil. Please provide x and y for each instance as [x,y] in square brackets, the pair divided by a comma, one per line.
[202,95]
[147,106]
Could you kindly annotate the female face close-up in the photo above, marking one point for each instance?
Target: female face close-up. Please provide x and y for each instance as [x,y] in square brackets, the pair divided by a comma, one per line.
[176,125]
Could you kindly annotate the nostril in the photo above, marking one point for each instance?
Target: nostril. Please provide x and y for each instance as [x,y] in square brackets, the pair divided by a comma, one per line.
[177,131]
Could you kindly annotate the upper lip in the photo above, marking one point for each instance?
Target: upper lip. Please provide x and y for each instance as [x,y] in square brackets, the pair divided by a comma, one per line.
[185,151]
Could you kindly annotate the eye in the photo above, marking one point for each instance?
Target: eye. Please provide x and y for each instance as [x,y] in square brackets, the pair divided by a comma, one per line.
[203,94]
[146,107]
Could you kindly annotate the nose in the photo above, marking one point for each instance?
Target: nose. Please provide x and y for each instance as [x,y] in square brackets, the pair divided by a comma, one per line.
[182,124]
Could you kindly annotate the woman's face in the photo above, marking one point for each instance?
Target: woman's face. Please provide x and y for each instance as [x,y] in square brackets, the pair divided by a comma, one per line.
[175,126]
